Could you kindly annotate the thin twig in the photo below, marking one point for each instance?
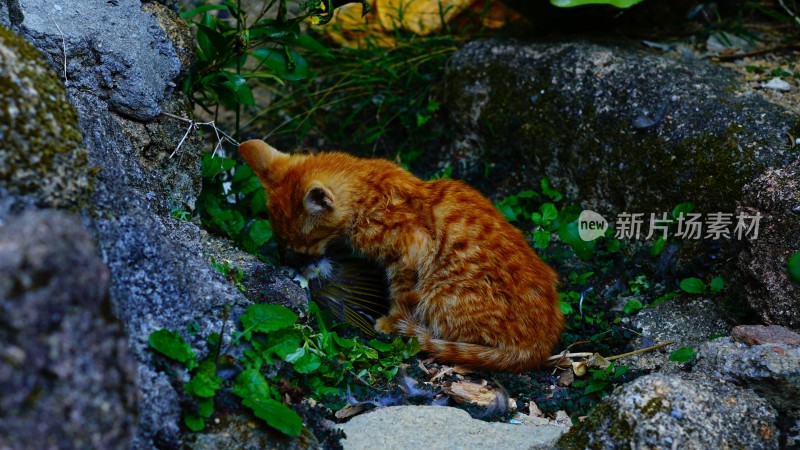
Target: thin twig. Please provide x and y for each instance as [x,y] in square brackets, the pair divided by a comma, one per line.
[64,45]
[790,12]
[570,355]
[221,135]
[556,359]
[641,350]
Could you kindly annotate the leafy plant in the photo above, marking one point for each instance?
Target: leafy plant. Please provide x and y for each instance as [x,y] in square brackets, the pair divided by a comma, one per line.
[370,101]
[233,203]
[530,208]
[320,362]
[238,50]
[233,274]
[697,286]
[602,381]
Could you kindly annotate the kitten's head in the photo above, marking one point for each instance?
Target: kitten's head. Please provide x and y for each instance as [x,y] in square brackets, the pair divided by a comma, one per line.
[303,198]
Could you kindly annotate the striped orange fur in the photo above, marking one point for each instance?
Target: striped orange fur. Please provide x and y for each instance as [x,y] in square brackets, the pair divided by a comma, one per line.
[462,279]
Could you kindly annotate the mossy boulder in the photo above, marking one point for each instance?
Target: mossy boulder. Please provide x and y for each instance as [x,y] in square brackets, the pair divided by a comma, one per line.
[619,128]
[661,411]
[40,143]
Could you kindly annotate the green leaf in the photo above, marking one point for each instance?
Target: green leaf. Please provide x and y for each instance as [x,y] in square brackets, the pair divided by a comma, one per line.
[173,346]
[528,194]
[507,211]
[693,286]
[293,68]
[683,354]
[569,235]
[343,342]
[573,3]
[260,232]
[662,299]
[205,407]
[549,191]
[309,43]
[658,246]
[566,308]
[412,348]
[632,307]
[370,353]
[381,346]
[594,386]
[193,421]
[549,212]
[717,285]
[307,362]
[265,318]
[201,9]
[211,42]
[251,384]
[275,414]
[203,385]
[216,165]
[237,85]
[284,342]
[793,266]
[541,239]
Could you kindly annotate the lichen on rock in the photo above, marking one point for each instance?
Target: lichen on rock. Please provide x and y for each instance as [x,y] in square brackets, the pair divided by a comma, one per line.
[40,143]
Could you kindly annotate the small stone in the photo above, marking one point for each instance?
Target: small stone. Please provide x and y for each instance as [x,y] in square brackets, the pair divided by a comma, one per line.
[777,84]
[760,334]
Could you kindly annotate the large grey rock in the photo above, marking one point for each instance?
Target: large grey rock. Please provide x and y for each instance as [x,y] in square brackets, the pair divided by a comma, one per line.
[772,370]
[442,427]
[664,411]
[617,127]
[121,69]
[67,379]
[114,50]
[770,292]
[40,151]
[688,322]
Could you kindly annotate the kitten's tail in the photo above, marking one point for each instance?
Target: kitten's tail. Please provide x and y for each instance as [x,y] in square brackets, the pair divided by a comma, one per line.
[476,356]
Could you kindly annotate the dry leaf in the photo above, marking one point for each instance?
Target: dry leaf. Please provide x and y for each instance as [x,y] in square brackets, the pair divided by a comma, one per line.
[566,378]
[349,411]
[478,393]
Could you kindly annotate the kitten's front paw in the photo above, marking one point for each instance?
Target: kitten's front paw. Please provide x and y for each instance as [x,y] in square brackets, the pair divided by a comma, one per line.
[384,325]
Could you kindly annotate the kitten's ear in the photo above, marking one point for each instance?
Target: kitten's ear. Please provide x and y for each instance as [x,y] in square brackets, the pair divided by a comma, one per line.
[261,157]
[318,199]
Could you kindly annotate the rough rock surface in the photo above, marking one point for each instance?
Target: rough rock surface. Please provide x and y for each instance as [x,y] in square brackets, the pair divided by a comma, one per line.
[666,411]
[619,128]
[67,379]
[688,322]
[776,196]
[760,334]
[40,152]
[442,427]
[160,276]
[772,370]
[118,52]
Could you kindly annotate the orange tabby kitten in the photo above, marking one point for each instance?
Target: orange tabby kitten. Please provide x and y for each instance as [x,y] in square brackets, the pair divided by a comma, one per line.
[462,279]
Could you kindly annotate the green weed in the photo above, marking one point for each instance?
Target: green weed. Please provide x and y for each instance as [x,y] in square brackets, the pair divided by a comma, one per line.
[317,361]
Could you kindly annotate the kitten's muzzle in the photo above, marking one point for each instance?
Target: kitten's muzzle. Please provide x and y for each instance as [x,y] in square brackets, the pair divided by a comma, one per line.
[297,260]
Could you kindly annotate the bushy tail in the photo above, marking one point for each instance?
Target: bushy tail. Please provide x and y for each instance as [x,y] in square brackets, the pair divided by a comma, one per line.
[476,356]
